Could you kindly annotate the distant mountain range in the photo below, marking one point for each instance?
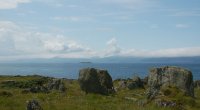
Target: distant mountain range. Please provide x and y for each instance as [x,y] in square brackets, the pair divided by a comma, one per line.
[113,60]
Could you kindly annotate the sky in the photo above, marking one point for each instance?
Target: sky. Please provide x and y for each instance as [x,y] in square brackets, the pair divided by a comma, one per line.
[99,28]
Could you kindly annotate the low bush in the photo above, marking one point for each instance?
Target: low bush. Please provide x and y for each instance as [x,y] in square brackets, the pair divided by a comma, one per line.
[5,94]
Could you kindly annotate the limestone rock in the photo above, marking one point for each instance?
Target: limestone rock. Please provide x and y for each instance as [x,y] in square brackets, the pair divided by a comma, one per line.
[95,81]
[170,77]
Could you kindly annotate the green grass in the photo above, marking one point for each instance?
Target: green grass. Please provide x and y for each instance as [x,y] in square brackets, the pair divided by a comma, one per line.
[75,99]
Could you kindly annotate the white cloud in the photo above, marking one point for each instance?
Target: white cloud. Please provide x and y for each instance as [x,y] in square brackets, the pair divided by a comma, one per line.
[72,18]
[182,26]
[17,40]
[112,42]
[112,48]
[10,4]
[59,44]
[55,45]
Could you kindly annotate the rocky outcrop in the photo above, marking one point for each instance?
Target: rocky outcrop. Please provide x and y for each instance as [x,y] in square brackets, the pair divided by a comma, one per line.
[171,104]
[161,78]
[52,84]
[135,83]
[122,84]
[33,105]
[95,81]
[130,84]
[145,81]
[56,84]
[36,89]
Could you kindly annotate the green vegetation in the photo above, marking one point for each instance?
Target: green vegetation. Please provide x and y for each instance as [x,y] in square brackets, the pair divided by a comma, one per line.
[73,98]
[25,83]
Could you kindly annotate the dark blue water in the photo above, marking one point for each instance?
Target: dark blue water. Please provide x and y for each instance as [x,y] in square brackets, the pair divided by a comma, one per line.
[70,70]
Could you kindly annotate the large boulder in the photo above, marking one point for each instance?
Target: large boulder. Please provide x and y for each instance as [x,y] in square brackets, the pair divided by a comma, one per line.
[164,77]
[95,81]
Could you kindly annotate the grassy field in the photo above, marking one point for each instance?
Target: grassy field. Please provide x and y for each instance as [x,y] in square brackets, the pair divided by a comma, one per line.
[75,99]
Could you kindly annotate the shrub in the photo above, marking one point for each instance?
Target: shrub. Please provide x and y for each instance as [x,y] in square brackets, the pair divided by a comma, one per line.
[5,94]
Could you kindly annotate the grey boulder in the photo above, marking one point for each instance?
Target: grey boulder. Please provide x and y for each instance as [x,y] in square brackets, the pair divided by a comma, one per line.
[170,76]
[93,80]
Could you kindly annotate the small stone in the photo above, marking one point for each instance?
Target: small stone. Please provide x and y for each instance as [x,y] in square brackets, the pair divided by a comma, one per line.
[33,105]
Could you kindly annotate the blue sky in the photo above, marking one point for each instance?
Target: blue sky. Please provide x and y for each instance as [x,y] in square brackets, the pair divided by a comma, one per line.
[99,28]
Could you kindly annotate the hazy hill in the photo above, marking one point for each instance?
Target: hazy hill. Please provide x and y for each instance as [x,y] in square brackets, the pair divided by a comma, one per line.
[113,60]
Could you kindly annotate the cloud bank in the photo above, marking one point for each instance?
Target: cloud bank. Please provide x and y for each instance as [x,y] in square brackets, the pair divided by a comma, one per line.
[17,42]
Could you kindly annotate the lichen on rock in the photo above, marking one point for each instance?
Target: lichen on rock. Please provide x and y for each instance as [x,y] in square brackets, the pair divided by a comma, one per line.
[170,76]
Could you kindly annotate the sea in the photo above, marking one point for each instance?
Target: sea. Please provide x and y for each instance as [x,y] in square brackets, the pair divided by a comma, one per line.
[71,70]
